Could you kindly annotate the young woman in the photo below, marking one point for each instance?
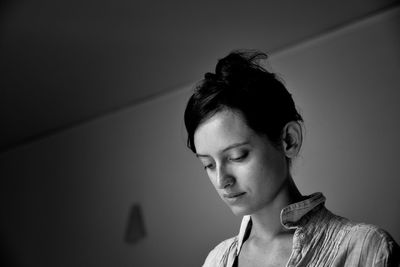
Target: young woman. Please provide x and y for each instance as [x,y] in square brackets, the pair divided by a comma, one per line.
[243,126]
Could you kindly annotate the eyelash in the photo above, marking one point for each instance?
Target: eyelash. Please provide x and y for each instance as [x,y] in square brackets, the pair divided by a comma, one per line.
[209,166]
[237,159]
[241,157]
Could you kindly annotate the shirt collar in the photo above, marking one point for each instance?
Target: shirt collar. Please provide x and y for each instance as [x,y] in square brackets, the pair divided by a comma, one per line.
[290,215]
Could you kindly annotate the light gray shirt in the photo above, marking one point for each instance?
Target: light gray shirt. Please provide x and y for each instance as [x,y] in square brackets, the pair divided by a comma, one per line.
[321,238]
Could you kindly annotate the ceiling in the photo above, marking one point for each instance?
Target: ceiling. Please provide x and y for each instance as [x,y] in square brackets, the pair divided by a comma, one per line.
[65,62]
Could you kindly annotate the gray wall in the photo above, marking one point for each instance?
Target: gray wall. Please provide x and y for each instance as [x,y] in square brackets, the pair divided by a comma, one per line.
[65,199]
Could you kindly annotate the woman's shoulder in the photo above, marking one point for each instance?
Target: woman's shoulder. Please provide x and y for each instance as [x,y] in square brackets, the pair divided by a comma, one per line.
[369,234]
[370,230]
[371,240]
[356,231]
[360,243]
[221,252]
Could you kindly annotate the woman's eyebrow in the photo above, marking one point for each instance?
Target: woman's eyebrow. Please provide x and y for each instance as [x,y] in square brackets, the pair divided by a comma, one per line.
[225,149]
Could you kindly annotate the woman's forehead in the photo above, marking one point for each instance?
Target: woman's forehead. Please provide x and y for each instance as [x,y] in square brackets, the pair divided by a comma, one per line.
[221,130]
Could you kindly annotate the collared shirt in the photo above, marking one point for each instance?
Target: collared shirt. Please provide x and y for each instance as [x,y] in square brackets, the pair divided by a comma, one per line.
[321,238]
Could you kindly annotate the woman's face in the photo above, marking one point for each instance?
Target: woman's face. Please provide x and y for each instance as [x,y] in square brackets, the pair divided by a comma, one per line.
[245,168]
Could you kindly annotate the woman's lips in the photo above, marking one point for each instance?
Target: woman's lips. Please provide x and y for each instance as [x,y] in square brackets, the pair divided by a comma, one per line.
[232,196]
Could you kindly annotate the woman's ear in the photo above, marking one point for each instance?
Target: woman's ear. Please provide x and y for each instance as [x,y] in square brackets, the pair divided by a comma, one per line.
[292,138]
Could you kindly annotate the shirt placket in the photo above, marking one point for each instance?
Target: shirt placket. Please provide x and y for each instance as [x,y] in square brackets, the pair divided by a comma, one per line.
[298,243]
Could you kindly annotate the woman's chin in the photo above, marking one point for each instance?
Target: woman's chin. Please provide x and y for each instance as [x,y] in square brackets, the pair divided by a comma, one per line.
[240,211]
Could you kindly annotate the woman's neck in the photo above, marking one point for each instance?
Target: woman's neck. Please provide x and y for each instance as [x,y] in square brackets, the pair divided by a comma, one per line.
[266,223]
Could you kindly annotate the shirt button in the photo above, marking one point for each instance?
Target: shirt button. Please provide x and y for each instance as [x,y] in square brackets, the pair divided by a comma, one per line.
[302,236]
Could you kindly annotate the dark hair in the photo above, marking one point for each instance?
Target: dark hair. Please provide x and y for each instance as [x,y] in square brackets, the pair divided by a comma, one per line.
[240,83]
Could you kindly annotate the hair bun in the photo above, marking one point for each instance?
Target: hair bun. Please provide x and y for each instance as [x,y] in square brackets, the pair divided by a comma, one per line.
[238,64]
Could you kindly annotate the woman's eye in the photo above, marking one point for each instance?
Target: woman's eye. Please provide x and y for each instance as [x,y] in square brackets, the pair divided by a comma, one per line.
[239,158]
[208,166]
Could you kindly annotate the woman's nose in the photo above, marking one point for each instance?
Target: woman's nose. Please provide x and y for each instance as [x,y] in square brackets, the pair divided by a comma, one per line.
[224,178]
